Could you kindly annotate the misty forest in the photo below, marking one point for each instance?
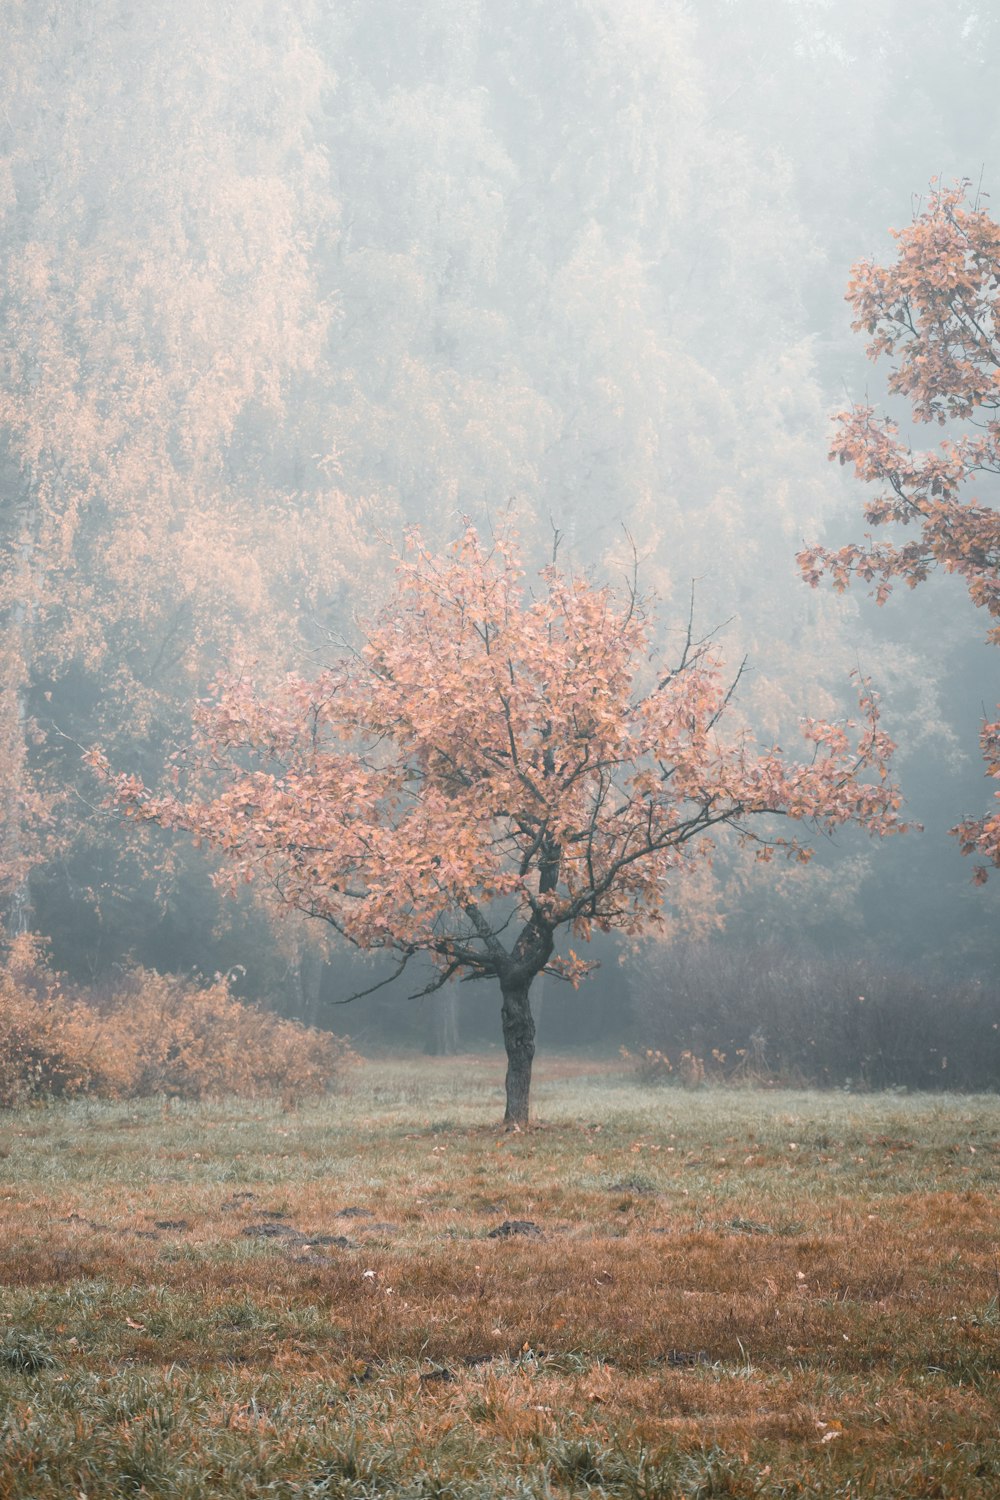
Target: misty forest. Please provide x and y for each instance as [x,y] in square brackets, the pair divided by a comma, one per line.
[499,842]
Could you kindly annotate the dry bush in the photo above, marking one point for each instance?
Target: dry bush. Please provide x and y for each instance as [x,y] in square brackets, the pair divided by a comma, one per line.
[151,1034]
[768,1016]
[49,1045]
[651,1065]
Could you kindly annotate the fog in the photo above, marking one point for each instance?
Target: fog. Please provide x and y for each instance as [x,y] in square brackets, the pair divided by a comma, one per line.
[281,279]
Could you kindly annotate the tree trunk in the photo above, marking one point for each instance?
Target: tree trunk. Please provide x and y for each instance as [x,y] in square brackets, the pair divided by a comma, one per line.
[538,1002]
[442,1023]
[18,646]
[308,987]
[519,1040]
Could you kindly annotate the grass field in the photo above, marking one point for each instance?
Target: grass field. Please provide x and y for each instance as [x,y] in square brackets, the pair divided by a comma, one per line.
[727,1293]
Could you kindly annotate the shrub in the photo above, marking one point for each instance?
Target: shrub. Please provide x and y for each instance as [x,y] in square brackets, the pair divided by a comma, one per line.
[151,1034]
[649,1066]
[765,1015]
[191,1041]
[49,1046]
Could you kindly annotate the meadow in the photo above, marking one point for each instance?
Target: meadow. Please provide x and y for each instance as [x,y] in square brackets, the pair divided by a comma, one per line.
[652,1292]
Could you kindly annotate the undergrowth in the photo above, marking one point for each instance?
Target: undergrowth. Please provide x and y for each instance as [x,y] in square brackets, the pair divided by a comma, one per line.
[150,1034]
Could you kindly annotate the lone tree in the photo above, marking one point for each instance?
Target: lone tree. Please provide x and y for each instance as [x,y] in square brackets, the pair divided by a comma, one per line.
[936,313]
[496,764]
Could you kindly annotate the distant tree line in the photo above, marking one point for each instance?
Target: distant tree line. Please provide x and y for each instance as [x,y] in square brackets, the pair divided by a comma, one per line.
[277,276]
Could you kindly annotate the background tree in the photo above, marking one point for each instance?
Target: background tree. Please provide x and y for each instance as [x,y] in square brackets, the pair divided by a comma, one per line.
[164,502]
[495,765]
[933,312]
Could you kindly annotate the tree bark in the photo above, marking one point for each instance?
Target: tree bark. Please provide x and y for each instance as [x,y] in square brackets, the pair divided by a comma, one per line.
[519,1040]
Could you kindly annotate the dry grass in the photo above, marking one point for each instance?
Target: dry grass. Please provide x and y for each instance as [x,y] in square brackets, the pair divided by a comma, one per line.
[733,1293]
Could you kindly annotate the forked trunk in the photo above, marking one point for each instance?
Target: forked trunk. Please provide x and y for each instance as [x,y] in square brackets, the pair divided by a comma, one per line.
[519,1040]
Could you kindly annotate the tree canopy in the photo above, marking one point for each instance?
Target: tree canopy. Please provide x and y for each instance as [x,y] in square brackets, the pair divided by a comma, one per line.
[934,314]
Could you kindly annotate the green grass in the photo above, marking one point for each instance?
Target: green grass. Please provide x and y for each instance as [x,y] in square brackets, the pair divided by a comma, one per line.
[735,1293]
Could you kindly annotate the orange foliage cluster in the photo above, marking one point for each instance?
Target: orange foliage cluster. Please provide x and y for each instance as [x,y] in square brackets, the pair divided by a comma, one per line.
[155,1034]
[486,743]
[934,312]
